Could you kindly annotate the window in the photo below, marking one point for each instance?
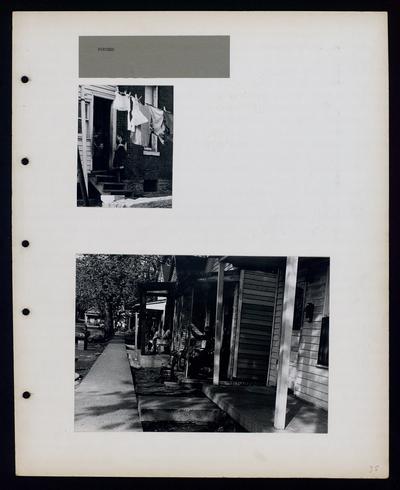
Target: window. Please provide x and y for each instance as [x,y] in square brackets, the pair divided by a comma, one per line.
[298,308]
[323,351]
[86,118]
[151,97]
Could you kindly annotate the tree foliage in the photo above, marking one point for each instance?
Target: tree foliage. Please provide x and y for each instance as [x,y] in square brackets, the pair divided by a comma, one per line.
[109,282]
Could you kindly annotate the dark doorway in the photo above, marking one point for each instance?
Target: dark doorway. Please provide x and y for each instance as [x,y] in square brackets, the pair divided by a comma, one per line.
[101,133]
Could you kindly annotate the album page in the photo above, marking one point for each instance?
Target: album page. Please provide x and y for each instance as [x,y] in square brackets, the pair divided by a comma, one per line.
[200,244]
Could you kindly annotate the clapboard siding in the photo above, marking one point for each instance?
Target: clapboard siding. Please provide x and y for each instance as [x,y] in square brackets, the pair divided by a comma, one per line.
[276,332]
[256,318]
[88,152]
[309,381]
[309,368]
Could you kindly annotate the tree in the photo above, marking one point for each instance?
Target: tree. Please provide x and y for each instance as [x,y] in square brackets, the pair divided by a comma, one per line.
[109,282]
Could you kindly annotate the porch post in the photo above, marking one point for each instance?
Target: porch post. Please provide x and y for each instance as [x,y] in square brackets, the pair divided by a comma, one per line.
[219,316]
[207,311]
[136,329]
[189,332]
[233,331]
[285,342]
[84,136]
[142,322]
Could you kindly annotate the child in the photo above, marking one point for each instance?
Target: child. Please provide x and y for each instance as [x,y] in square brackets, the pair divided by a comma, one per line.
[120,153]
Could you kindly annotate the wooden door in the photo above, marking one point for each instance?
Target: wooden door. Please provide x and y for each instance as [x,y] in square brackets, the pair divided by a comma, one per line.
[256,313]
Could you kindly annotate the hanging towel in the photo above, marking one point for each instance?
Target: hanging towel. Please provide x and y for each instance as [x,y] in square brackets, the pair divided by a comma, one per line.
[157,122]
[121,102]
[135,116]
[144,129]
[169,126]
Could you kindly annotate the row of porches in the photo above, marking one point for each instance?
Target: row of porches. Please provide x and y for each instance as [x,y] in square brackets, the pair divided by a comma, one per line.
[291,267]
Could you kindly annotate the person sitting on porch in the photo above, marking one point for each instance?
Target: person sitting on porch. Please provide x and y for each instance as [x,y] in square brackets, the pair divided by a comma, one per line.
[166,340]
[156,336]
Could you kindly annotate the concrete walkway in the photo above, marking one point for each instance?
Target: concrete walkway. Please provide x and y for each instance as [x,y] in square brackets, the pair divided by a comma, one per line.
[106,400]
[143,202]
[253,408]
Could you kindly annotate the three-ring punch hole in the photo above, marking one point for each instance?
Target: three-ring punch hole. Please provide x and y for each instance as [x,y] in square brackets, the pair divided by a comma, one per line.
[26,394]
[24,79]
[25,243]
[25,161]
[26,311]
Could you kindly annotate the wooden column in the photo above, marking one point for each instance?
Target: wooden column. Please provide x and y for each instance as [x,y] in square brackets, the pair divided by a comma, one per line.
[233,332]
[239,317]
[84,136]
[285,342]
[189,332]
[136,329]
[219,317]
[142,323]
[207,311]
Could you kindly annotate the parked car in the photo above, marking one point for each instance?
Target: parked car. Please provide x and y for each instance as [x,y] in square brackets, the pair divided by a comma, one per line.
[82,333]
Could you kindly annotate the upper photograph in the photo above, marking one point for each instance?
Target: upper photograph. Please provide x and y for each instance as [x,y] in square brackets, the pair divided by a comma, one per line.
[126,161]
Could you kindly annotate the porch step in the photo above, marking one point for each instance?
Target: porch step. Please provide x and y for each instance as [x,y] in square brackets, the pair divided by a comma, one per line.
[159,403]
[115,192]
[114,185]
[193,409]
[105,178]
[106,184]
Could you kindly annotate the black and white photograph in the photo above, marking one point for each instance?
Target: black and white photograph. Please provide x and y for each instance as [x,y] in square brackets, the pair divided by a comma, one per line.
[127,159]
[201,343]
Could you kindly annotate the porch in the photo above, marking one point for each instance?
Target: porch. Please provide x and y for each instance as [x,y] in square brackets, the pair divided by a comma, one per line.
[253,407]
[250,314]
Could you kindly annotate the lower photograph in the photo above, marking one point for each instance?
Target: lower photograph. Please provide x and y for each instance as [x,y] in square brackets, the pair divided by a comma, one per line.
[197,343]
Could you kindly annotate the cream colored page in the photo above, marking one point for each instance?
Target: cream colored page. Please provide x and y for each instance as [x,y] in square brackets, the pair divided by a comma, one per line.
[288,156]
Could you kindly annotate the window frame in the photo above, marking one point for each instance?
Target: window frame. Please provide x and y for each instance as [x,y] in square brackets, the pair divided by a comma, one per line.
[87,117]
[151,97]
[324,338]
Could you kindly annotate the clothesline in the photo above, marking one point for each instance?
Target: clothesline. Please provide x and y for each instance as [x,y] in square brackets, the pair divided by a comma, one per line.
[144,119]
[129,94]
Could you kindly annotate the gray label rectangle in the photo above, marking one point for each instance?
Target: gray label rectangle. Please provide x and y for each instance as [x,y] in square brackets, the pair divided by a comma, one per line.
[154,56]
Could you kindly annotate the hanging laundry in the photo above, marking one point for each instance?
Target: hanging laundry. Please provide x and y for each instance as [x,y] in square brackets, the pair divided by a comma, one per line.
[157,122]
[142,132]
[145,128]
[135,116]
[121,102]
[169,125]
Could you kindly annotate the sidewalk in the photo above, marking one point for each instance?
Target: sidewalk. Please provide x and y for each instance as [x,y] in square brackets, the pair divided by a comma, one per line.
[106,400]
[143,202]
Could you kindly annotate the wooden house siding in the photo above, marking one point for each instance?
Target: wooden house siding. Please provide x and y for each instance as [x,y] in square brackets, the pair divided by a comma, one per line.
[257,301]
[89,92]
[89,162]
[276,332]
[307,380]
